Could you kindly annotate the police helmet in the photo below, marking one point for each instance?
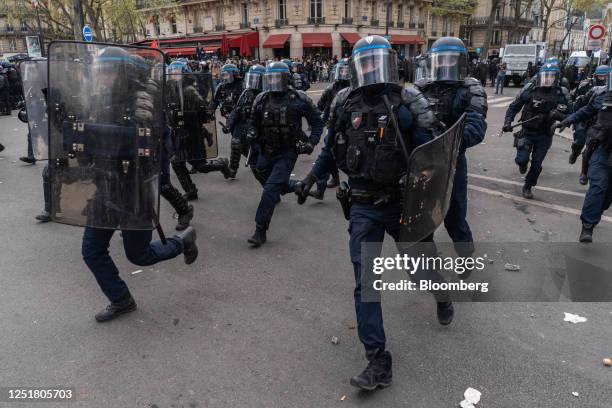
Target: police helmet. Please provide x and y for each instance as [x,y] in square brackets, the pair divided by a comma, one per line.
[601,75]
[447,60]
[373,61]
[229,73]
[548,76]
[276,77]
[253,78]
[342,71]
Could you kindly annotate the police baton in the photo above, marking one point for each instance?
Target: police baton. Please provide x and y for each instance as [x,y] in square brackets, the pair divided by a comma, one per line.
[399,135]
[501,132]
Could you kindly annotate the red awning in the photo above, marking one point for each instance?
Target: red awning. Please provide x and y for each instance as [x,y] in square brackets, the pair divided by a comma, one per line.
[276,41]
[407,39]
[210,49]
[351,38]
[311,40]
[179,51]
[252,40]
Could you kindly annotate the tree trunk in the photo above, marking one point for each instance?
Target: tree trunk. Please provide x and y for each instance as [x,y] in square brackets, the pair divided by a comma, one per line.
[78,21]
[487,42]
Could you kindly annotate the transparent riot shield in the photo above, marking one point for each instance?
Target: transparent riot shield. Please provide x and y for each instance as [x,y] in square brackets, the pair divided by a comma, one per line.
[106,126]
[190,115]
[34,79]
[429,184]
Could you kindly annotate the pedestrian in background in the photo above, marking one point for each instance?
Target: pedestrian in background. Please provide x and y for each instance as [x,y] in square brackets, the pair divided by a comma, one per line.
[500,79]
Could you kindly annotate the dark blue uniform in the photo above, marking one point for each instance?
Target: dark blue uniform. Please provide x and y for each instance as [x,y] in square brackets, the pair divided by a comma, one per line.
[226,96]
[276,120]
[449,103]
[238,124]
[535,138]
[370,221]
[599,195]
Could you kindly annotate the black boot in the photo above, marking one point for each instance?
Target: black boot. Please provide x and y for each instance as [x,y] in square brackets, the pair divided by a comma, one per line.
[182,174]
[523,168]
[583,179]
[116,309]
[576,149]
[180,205]
[334,180]
[29,160]
[259,237]
[527,192]
[302,188]
[378,373]
[1,147]
[586,235]
[190,249]
[44,216]
[319,193]
[446,311]
[234,161]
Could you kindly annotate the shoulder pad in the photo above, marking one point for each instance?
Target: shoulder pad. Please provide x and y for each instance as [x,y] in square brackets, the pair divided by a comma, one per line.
[477,96]
[583,84]
[528,86]
[471,81]
[259,99]
[598,90]
[421,84]
[340,97]
[303,96]
[419,106]
[330,88]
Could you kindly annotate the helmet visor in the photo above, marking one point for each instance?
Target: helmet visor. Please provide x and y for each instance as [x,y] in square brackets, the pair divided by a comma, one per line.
[342,72]
[547,79]
[252,80]
[446,65]
[227,77]
[276,81]
[373,66]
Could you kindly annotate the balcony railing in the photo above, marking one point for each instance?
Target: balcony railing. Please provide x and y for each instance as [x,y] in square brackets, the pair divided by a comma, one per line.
[281,22]
[434,33]
[390,23]
[421,25]
[347,20]
[444,33]
[411,25]
[451,34]
[220,27]
[316,20]
[501,22]
[374,23]
[245,25]
[400,24]
[197,29]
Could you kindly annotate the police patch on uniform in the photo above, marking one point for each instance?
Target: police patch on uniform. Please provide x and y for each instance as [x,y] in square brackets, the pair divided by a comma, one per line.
[356,119]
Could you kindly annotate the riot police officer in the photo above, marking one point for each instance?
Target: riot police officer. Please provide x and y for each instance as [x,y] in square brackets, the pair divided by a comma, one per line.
[599,195]
[542,103]
[240,116]
[372,147]
[111,136]
[452,94]
[228,91]
[299,79]
[341,81]
[580,98]
[275,131]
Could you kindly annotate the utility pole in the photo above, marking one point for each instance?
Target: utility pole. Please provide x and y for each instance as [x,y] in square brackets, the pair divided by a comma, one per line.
[79,20]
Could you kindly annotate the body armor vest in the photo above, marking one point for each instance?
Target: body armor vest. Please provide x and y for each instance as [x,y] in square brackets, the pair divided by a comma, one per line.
[365,145]
[229,94]
[248,97]
[441,100]
[603,124]
[281,125]
[541,104]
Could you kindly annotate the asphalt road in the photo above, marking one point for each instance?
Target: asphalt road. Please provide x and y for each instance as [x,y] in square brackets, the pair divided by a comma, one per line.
[252,328]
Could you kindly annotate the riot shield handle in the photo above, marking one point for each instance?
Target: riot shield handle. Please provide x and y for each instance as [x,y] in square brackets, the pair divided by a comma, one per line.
[399,135]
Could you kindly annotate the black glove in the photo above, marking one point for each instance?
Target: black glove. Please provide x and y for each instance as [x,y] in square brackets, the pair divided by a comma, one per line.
[507,127]
[302,188]
[305,148]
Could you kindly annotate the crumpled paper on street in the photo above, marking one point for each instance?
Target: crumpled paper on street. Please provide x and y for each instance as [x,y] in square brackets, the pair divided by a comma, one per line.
[572,318]
[472,396]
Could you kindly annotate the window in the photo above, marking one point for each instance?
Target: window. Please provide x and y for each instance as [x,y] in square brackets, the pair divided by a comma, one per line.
[421,16]
[400,14]
[411,15]
[374,11]
[282,9]
[315,9]
[156,28]
[12,45]
[434,24]
[245,13]
[445,24]
[496,38]
[173,24]
[24,25]
[347,8]
[220,16]
[497,13]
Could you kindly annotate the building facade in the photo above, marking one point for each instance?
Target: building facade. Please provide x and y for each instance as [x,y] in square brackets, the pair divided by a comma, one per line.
[291,28]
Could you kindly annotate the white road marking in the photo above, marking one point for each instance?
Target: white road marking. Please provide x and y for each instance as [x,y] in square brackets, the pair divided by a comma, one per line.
[515,183]
[138,271]
[536,203]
